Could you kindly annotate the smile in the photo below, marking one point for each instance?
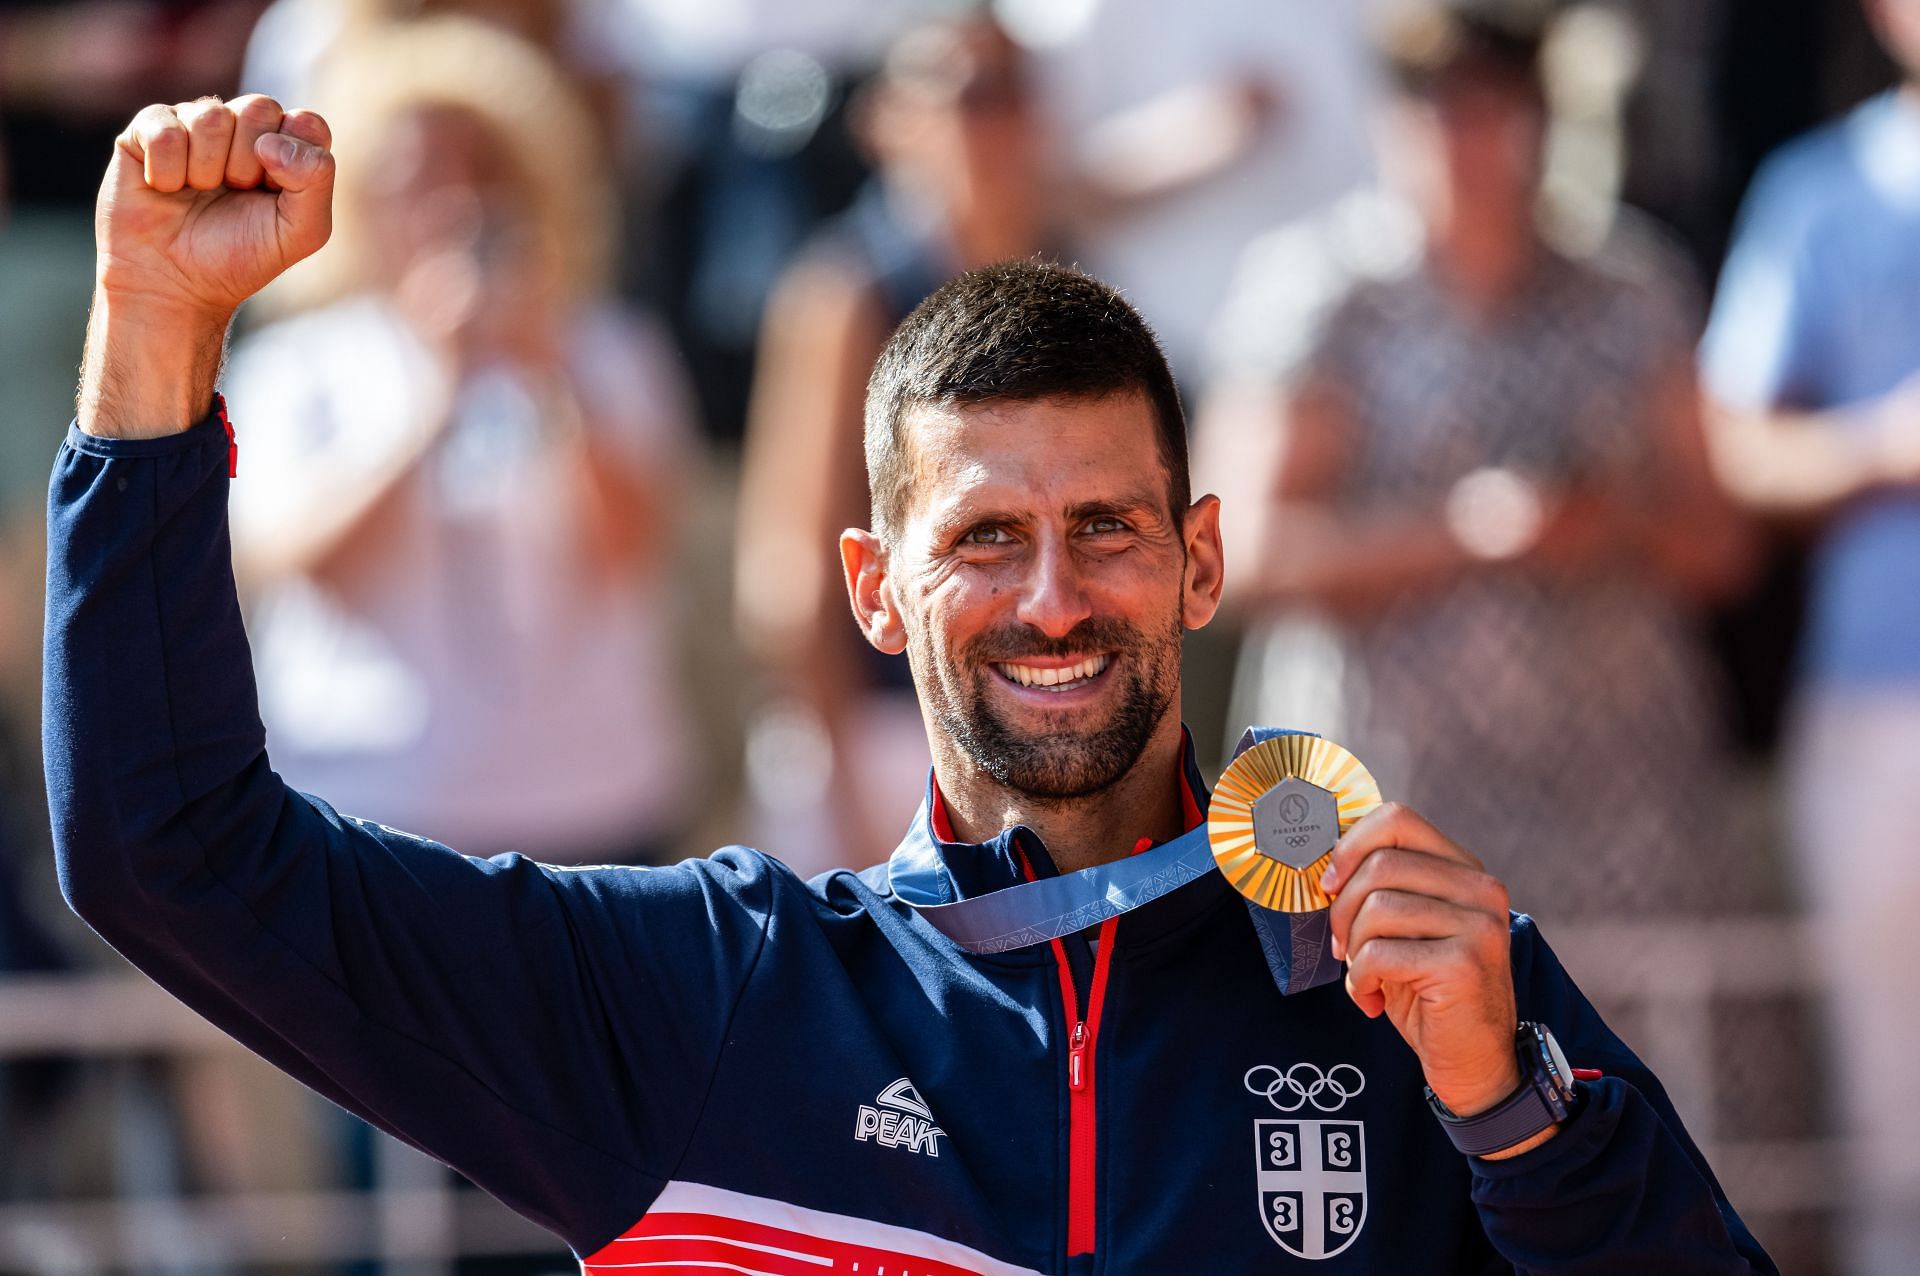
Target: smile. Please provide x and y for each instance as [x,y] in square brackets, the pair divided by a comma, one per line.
[1055,679]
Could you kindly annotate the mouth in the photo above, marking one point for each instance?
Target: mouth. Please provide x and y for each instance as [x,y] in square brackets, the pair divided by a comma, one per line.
[1055,678]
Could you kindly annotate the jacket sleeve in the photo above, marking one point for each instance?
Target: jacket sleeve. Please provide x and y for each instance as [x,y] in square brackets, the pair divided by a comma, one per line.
[550,1033]
[1621,1188]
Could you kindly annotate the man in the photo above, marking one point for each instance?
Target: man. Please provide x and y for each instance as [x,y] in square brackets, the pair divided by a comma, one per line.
[955,140]
[1813,355]
[775,1076]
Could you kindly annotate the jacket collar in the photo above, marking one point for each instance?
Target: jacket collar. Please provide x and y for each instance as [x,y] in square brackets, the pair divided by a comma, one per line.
[931,867]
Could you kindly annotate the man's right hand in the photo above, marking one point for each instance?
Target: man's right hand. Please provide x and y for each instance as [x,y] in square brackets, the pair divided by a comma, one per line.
[203,204]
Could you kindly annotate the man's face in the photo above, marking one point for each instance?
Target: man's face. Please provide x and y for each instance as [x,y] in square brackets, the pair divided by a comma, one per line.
[1042,582]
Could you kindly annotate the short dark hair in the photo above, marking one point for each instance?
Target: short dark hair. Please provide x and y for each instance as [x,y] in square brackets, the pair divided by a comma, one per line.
[1018,330]
[1432,47]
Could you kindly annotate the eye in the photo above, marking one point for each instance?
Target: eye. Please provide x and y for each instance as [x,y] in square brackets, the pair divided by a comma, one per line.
[986,534]
[1106,523]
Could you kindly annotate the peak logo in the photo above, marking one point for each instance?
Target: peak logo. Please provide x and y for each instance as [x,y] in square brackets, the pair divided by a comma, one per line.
[899,1118]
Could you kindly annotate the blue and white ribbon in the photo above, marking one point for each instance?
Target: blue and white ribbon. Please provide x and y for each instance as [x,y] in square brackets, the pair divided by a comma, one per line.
[1294,944]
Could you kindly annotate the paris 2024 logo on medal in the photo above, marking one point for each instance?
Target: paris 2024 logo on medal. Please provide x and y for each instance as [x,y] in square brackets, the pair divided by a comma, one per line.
[1311,1168]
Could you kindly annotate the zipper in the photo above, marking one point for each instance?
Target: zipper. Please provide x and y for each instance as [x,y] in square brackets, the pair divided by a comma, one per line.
[1082,1104]
[1083,1037]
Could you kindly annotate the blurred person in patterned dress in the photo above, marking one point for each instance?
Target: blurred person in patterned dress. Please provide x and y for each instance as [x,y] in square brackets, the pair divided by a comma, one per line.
[1481,456]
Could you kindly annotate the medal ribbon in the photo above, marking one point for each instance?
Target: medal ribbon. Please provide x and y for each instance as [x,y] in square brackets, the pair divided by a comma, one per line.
[1022,916]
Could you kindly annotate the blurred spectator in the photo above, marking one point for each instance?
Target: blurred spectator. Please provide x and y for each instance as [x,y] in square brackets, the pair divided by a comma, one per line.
[839,757]
[1483,456]
[1813,355]
[290,44]
[457,476]
[290,47]
[748,150]
[1273,98]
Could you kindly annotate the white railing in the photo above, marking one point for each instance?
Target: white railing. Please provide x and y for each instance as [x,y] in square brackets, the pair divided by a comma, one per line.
[410,1220]
[1671,971]
[413,1223]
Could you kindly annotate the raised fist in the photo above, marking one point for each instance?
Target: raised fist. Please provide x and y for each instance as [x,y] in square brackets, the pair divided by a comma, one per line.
[205,202]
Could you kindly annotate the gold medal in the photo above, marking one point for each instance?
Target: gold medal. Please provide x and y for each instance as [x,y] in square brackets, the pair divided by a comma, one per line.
[1277,811]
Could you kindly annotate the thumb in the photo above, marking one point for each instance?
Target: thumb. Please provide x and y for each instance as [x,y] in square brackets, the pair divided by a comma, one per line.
[298,162]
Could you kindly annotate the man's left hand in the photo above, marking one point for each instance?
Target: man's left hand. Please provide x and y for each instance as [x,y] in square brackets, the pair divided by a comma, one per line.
[1423,928]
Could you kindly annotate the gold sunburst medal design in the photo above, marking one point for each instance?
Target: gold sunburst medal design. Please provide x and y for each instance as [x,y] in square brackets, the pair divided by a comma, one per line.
[1276,814]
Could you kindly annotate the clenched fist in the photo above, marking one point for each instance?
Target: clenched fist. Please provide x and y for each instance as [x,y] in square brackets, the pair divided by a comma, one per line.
[203,204]
[207,201]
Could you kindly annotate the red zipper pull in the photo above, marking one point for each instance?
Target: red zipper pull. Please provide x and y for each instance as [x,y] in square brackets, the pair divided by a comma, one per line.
[1077,1057]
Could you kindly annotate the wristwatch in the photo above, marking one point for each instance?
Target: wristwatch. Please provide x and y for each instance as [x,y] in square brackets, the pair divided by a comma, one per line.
[1545,1098]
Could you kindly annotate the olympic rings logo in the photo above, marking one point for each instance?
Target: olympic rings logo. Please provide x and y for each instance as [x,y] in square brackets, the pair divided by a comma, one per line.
[1292,1089]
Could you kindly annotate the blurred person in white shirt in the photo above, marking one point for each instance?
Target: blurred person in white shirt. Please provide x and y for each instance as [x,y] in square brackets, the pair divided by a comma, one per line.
[455,523]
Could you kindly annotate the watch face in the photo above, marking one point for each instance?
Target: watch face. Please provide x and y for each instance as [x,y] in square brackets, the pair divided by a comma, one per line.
[1559,1059]
[1562,1071]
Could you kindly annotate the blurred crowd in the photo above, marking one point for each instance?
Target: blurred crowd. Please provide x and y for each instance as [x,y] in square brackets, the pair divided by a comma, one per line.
[1558,365]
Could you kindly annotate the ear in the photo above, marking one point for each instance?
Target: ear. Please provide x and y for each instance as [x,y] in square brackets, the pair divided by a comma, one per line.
[863,557]
[1200,591]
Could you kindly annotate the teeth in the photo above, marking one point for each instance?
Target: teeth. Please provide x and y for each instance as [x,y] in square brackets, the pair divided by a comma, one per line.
[1029,676]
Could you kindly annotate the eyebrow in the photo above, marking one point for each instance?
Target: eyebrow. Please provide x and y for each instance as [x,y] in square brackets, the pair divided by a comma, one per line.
[1130,505]
[1126,506]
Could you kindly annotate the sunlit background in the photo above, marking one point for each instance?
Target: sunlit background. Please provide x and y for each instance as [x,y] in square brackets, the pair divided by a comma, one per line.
[1572,479]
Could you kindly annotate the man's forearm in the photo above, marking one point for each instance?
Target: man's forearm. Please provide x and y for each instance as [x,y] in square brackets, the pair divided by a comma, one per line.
[147,372]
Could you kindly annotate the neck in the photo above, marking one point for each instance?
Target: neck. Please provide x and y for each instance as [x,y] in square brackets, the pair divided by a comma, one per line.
[1078,832]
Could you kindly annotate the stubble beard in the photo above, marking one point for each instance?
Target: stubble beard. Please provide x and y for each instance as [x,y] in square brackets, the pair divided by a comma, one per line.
[1055,766]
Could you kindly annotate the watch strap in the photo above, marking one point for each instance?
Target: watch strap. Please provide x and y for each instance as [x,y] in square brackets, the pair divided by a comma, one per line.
[1544,1098]
[1518,1117]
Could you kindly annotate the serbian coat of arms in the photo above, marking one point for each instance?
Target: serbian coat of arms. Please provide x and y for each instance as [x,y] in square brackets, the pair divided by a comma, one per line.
[1313,1184]
[1311,1172]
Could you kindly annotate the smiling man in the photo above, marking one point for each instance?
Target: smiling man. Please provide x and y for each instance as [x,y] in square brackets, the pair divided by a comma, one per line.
[1034,552]
[719,1067]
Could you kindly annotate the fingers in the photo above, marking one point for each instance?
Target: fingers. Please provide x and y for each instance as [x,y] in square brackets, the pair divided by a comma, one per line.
[210,127]
[1389,824]
[158,141]
[296,161]
[255,116]
[1389,962]
[1395,870]
[296,157]
[1390,914]
[308,127]
[207,144]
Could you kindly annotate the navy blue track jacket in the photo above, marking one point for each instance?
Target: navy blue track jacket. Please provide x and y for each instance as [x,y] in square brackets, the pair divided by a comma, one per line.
[717,1067]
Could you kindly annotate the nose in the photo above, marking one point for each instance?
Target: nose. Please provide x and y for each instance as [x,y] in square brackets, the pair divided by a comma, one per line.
[1053,598]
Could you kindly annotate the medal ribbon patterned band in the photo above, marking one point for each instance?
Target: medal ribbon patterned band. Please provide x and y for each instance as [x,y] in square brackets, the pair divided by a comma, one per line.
[1036,912]
[1275,815]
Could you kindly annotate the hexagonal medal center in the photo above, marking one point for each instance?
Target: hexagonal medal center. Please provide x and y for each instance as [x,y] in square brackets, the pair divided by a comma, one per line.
[1295,822]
